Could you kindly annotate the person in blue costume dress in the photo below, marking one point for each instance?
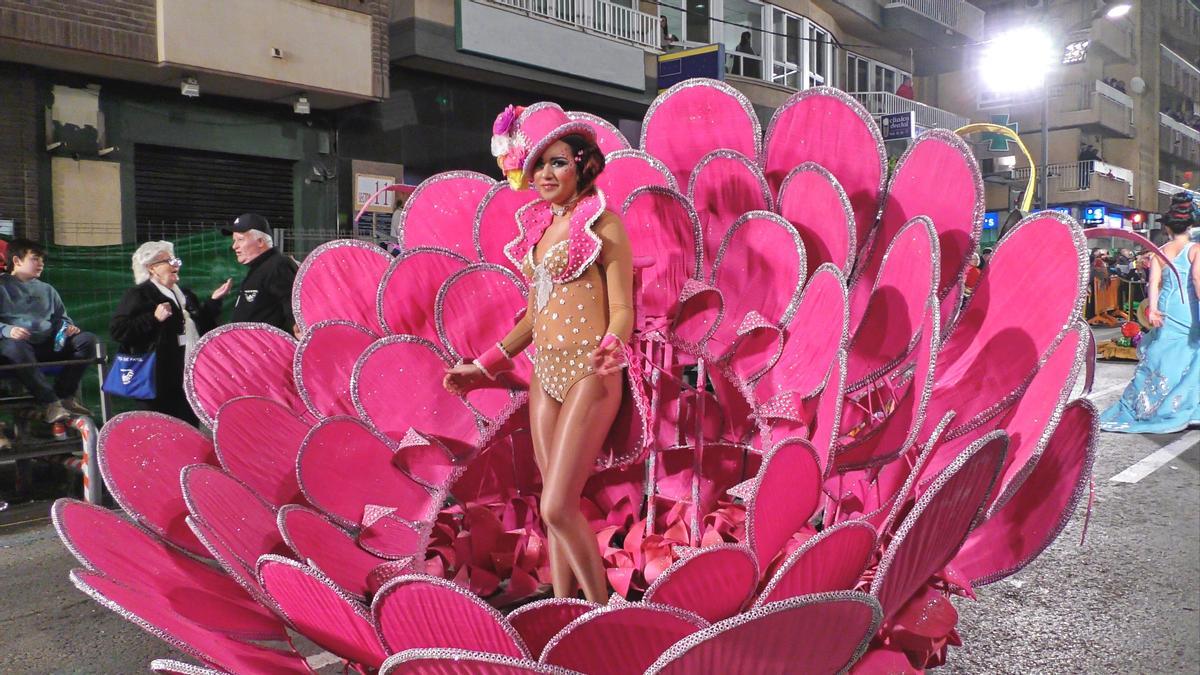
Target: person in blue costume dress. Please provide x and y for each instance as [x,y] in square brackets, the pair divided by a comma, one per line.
[1164,395]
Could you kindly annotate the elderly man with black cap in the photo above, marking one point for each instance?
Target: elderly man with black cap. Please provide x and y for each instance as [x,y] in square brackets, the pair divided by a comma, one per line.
[266,292]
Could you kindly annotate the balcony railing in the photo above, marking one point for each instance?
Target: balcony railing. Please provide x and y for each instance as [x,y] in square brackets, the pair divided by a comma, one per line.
[1181,18]
[595,16]
[1178,139]
[1176,72]
[957,15]
[885,103]
[1083,177]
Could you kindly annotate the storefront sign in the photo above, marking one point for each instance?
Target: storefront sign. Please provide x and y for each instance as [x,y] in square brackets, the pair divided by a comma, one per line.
[898,126]
[367,184]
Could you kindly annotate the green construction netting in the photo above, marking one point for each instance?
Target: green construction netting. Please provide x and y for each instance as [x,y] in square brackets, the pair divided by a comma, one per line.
[91,280]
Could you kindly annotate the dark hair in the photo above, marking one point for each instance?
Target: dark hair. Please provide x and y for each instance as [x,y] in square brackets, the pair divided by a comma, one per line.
[589,161]
[20,248]
[1181,216]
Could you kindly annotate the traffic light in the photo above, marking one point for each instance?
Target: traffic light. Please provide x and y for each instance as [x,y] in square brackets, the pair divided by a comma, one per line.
[1138,219]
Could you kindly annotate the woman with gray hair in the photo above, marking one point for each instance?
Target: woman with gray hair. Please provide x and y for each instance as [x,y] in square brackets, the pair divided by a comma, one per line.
[161,316]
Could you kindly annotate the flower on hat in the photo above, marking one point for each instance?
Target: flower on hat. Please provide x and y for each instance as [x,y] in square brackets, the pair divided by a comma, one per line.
[508,147]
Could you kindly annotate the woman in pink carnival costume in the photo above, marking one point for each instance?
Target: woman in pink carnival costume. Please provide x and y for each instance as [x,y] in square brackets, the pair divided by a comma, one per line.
[576,256]
[853,451]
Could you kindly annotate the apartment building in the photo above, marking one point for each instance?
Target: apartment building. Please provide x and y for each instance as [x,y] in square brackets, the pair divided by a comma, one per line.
[1120,106]
[118,114]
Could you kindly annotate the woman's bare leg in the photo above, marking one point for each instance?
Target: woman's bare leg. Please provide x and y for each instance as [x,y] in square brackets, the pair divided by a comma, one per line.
[543,414]
[583,423]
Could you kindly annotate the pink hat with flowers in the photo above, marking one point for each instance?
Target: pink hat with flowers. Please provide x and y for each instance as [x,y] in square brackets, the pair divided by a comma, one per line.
[521,135]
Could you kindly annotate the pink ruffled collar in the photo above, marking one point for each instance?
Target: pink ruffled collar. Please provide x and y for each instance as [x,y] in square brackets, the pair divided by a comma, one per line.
[583,247]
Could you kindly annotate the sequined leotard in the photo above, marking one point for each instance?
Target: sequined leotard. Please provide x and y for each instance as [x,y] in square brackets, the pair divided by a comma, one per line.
[577,292]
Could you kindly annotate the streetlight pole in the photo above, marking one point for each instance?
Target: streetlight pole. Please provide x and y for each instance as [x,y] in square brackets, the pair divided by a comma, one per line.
[1044,183]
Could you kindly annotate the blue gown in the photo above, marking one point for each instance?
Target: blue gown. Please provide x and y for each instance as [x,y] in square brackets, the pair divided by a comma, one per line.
[1164,395]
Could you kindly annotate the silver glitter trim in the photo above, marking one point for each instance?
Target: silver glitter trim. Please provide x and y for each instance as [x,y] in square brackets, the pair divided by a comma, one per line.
[691,289]
[689,211]
[757,481]
[400,221]
[170,667]
[390,587]
[189,381]
[281,521]
[654,162]
[681,648]
[376,346]
[752,323]
[1081,486]
[801,258]
[536,150]
[312,258]
[392,270]
[739,97]
[691,554]
[896,502]
[298,363]
[768,203]
[619,606]
[931,493]
[848,211]
[477,222]
[462,658]
[355,605]
[807,546]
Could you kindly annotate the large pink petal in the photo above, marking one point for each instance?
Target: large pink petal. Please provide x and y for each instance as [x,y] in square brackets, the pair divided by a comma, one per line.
[760,266]
[662,225]
[440,210]
[783,497]
[994,348]
[714,582]
[938,523]
[257,441]
[886,323]
[821,633]
[1031,518]
[150,613]
[496,224]
[642,631]
[464,662]
[833,560]
[825,126]
[405,302]
[695,117]
[324,364]
[321,611]
[539,621]
[327,548]
[937,178]
[108,544]
[141,455]
[399,387]
[338,281]
[344,466]
[812,200]
[724,185]
[817,331]
[418,611]
[628,170]
[234,523]
[241,359]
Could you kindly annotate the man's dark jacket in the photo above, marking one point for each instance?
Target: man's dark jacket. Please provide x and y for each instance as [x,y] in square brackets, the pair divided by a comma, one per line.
[266,292]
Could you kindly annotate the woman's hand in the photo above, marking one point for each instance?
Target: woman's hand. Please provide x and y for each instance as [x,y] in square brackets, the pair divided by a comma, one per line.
[222,290]
[609,357]
[463,378]
[1155,316]
[162,311]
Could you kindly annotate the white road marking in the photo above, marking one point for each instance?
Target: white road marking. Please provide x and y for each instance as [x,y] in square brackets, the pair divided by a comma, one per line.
[318,661]
[1158,458]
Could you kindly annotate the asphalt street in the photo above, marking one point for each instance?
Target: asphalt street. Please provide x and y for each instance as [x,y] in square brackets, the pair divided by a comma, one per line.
[1126,599]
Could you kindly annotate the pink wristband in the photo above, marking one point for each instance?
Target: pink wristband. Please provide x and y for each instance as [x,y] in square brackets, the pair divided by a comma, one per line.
[493,362]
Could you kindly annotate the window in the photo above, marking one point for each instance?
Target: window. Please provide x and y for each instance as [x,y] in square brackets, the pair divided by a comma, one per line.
[785,68]
[685,22]
[743,38]
[863,75]
[818,68]
[697,21]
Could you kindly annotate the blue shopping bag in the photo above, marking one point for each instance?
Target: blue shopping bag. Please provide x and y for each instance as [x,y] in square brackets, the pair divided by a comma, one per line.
[131,376]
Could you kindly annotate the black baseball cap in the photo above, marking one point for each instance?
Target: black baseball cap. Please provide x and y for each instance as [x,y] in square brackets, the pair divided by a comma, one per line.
[247,222]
